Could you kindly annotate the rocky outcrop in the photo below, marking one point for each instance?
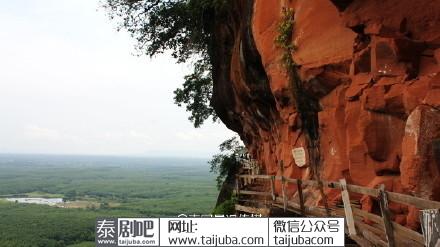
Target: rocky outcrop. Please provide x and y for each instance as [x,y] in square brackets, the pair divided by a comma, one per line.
[373,68]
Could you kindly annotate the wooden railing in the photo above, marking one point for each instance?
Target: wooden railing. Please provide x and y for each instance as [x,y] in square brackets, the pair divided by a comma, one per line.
[382,232]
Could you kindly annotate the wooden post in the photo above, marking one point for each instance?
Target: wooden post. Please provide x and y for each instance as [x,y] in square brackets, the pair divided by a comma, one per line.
[324,197]
[430,220]
[272,187]
[237,186]
[383,202]
[347,208]
[283,187]
[301,196]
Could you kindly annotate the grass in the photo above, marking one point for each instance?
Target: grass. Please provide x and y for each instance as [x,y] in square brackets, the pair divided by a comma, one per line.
[84,204]
[43,194]
[39,225]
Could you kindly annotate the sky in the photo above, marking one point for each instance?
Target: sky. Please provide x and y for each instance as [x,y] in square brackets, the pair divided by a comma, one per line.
[71,84]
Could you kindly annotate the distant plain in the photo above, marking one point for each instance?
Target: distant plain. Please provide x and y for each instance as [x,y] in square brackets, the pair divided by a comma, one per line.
[95,186]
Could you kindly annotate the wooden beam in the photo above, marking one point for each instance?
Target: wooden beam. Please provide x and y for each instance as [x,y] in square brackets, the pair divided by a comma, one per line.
[337,185]
[430,220]
[310,183]
[363,190]
[258,193]
[253,201]
[397,235]
[377,241]
[252,210]
[362,241]
[386,217]
[255,176]
[347,208]
[413,201]
[295,207]
[392,196]
[272,187]
[353,188]
[401,231]
[375,228]
[301,196]
[291,180]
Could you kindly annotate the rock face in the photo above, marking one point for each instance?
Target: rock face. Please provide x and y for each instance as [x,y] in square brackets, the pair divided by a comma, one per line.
[373,68]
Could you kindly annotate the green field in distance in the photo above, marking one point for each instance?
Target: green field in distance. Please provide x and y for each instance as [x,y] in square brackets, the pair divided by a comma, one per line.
[95,186]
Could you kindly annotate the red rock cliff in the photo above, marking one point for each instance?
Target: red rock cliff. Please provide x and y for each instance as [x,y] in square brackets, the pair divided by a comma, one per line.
[372,69]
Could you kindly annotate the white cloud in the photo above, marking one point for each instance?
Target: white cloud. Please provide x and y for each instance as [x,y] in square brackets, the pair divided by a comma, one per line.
[68,72]
[190,135]
[46,134]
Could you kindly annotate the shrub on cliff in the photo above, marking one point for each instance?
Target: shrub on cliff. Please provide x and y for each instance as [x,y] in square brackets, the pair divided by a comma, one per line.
[183,27]
[225,208]
[226,163]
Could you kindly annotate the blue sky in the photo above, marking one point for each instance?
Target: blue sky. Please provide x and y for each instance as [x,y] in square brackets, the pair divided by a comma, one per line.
[70,84]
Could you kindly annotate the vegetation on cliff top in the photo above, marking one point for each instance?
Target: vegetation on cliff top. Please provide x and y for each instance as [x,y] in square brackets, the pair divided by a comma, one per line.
[183,27]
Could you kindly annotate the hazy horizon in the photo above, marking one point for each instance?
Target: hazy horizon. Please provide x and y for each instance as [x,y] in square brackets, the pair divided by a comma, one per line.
[145,156]
[71,85]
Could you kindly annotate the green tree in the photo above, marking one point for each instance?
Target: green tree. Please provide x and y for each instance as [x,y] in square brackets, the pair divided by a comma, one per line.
[183,27]
[226,163]
[104,205]
[196,93]
[70,196]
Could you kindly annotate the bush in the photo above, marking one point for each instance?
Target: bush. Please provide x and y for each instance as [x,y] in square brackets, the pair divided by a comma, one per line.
[225,208]
[226,163]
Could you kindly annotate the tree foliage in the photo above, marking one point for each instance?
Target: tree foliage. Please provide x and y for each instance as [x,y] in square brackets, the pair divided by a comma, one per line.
[196,93]
[226,163]
[183,27]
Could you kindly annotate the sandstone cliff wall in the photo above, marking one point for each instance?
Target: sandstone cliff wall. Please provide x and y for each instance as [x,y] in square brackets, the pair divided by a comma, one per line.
[372,67]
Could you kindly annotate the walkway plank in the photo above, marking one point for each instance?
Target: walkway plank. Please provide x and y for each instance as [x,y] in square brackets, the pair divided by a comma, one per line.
[347,208]
[383,203]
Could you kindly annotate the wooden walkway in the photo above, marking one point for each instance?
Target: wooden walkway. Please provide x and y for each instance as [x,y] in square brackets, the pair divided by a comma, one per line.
[382,231]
